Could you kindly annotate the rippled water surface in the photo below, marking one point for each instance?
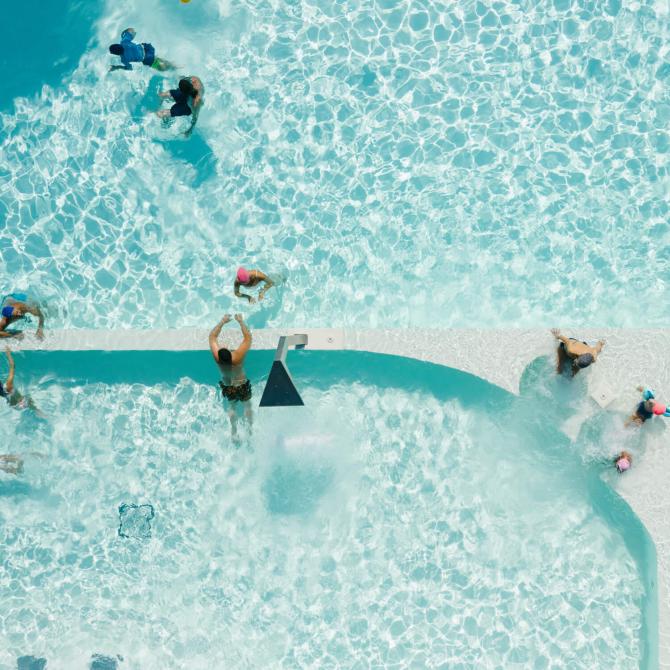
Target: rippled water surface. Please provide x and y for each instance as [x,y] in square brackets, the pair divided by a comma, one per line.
[430,531]
[397,161]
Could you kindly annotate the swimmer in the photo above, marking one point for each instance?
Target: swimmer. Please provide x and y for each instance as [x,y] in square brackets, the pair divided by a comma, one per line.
[137,53]
[249,279]
[623,462]
[191,91]
[15,307]
[647,408]
[235,387]
[9,391]
[580,354]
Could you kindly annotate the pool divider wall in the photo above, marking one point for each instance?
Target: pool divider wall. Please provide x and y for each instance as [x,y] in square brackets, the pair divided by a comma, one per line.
[631,357]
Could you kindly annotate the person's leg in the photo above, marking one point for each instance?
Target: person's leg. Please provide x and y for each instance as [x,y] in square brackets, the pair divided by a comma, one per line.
[162,65]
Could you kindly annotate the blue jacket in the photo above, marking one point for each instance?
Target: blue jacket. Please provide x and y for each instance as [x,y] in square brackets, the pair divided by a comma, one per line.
[132,53]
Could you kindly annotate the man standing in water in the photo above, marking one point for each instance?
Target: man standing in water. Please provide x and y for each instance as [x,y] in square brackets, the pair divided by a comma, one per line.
[15,307]
[188,99]
[235,387]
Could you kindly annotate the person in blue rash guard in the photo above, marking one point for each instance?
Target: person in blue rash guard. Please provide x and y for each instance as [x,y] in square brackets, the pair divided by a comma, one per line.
[131,52]
[14,307]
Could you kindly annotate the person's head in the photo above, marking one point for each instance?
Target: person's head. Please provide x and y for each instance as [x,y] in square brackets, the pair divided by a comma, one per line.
[116,49]
[243,275]
[225,356]
[623,461]
[186,87]
[584,361]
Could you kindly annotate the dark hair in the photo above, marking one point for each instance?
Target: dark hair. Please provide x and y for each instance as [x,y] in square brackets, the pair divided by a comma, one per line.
[116,49]
[584,360]
[3,393]
[225,356]
[186,87]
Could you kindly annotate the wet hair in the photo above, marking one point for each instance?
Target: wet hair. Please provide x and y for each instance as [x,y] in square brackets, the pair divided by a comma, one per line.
[186,87]
[116,49]
[225,356]
[584,360]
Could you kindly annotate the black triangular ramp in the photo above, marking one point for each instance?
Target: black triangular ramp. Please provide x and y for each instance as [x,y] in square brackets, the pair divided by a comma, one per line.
[280,390]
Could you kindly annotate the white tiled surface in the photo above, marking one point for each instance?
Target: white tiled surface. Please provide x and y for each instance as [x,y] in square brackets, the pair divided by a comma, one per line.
[630,357]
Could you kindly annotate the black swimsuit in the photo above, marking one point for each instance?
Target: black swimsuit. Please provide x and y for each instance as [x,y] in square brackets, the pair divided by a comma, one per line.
[180,108]
[240,393]
[643,412]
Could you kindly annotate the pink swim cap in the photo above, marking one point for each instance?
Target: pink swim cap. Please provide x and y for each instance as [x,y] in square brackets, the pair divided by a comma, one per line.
[659,409]
[623,464]
[243,275]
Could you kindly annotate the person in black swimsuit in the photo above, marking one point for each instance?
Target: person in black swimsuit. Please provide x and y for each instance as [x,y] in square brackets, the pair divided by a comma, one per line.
[578,354]
[235,387]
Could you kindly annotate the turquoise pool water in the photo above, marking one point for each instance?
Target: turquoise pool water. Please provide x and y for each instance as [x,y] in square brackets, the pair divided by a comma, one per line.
[407,516]
[398,162]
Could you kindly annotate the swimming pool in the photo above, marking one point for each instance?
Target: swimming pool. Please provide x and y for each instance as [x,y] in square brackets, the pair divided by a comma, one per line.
[408,516]
[397,162]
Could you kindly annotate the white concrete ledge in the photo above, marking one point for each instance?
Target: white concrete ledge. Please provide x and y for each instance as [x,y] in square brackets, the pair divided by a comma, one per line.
[630,357]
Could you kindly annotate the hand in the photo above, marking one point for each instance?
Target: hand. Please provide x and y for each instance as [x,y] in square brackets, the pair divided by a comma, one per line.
[261,295]
[39,334]
[251,300]
[601,343]
[556,332]
[226,318]
[640,389]
[239,319]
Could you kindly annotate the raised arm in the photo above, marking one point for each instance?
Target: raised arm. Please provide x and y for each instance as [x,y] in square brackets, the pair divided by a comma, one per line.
[557,334]
[9,384]
[213,337]
[241,351]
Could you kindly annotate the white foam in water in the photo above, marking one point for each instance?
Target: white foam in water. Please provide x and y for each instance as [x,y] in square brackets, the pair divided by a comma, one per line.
[414,533]
[505,157]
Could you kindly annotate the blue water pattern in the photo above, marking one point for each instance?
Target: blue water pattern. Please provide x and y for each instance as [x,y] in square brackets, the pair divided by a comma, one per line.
[443,523]
[398,162]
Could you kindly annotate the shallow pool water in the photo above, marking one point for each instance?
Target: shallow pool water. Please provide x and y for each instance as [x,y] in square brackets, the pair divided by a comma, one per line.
[397,162]
[407,516]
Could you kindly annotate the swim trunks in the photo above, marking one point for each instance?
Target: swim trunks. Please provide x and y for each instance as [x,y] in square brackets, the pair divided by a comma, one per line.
[238,393]
[180,108]
[149,54]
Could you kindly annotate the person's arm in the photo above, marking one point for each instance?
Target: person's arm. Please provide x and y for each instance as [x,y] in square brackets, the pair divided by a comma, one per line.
[197,104]
[268,284]
[213,337]
[36,311]
[241,351]
[599,346]
[9,384]
[557,334]
[239,294]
